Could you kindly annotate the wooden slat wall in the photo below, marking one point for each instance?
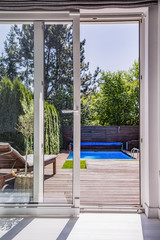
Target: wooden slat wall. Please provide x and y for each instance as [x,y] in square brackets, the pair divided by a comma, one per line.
[103,134]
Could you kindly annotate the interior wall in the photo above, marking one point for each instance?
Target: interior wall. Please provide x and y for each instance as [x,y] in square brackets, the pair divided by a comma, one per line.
[159,106]
[150,187]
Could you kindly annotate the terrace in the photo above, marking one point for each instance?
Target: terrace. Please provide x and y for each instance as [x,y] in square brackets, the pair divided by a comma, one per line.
[103,182]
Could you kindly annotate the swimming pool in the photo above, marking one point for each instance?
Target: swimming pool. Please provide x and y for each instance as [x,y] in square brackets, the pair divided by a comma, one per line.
[102,155]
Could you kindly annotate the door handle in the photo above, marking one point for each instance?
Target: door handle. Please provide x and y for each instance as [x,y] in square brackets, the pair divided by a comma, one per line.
[70,111]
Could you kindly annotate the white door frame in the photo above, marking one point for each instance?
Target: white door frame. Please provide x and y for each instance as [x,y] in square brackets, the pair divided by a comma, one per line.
[150,123]
[39,111]
[38,18]
[145,120]
[38,186]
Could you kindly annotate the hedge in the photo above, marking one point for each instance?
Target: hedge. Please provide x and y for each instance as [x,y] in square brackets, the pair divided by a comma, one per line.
[11,96]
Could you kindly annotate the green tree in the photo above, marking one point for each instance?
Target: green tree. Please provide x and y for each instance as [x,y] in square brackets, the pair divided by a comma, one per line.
[11,95]
[6,100]
[116,101]
[16,100]
[133,78]
[59,69]
[25,38]
[51,130]
[113,100]
[58,86]
[3,72]
[88,110]
[11,49]
[25,125]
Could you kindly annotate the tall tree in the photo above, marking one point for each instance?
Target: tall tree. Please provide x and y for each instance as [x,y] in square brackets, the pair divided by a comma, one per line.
[25,38]
[2,67]
[58,86]
[11,49]
[59,69]
[16,100]
[116,101]
[133,79]
[6,99]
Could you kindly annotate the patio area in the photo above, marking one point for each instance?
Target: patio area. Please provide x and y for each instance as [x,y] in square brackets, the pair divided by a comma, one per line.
[103,182]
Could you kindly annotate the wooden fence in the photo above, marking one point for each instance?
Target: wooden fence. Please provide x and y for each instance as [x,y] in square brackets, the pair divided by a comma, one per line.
[122,134]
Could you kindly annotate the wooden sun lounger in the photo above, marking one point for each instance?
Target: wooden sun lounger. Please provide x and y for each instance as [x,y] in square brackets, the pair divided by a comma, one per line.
[12,159]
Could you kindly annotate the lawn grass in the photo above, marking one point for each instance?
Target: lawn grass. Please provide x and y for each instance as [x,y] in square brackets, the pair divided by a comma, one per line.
[69,164]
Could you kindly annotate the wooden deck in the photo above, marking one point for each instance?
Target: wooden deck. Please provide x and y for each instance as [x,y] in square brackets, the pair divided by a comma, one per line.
[104,182]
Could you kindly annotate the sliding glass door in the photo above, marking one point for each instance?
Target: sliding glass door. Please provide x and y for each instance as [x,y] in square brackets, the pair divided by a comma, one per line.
[57,79]
[16,112]
[40,92]
[58,99]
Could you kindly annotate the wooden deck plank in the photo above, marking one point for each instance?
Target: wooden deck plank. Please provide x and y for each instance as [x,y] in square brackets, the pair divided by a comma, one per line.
[114,182]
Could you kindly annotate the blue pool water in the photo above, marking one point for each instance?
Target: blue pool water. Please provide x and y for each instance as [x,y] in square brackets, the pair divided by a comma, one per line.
[101,155]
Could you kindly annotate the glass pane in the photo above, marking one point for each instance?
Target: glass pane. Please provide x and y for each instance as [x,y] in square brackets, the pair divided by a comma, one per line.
[16,113]
[58,95]
[110,114]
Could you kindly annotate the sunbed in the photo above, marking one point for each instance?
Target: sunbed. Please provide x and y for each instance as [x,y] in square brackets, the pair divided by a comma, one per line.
[12,159]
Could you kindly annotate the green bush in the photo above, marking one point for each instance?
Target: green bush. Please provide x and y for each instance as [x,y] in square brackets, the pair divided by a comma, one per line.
[52,130]
[11,95]
[11,98]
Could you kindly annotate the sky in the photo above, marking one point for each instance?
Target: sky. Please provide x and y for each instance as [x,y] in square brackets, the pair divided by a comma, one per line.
[110,46]
[4,29]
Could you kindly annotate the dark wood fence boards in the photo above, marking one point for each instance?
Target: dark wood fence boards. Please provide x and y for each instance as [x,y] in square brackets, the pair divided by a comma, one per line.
[122,134]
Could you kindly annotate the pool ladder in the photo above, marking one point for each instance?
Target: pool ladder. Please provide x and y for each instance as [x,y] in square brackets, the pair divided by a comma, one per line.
[133,151]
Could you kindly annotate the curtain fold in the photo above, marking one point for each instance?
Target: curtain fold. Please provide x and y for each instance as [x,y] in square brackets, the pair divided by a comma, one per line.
[22,5]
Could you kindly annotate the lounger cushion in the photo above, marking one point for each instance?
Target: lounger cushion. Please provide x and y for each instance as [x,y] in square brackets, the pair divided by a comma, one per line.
[46,158]
[11,158]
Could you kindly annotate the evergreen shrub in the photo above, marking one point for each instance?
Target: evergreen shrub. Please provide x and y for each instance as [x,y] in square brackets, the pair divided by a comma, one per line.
[11,97]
